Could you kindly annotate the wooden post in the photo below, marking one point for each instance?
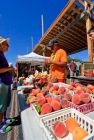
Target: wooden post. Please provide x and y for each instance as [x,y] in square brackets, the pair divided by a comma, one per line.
[88,26]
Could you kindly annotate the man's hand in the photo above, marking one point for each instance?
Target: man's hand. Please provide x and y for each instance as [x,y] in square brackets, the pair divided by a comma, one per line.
[12,70]
[48,62]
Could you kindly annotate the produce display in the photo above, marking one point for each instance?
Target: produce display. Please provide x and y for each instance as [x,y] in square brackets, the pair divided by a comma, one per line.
[68,124]
[71,125]
[47,98]
[51,97]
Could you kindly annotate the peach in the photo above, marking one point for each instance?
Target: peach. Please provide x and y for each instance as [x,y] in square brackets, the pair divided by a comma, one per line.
[62,89]
[50,85]
[78,84]
[32,99]
[46,108]
[67,96]
[55,92]
[72,84]
[78,88]
[79,133]
[55,105]
[64,103]
[56,87]
[93,91]
[76,99]
[59,91]
[71,123]
[88,90]
[59,129]
[48,99]
[39,94]
[85,98]
[41,100]
[35,91]
[70,87]
[79,92]
[91,87]
[51,89]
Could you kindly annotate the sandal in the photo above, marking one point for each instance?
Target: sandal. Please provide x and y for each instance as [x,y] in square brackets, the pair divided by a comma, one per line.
[5,129]
[7,121]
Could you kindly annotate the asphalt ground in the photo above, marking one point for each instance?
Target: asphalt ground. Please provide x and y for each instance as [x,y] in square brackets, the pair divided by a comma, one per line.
[13,110]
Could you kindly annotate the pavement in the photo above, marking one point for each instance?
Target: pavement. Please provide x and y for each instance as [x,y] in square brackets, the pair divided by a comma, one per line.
[13,110]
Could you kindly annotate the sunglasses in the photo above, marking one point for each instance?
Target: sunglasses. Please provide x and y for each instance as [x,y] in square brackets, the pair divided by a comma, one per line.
[5,44]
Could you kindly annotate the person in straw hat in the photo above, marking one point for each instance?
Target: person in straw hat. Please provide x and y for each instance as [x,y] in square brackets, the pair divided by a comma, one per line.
[5,86]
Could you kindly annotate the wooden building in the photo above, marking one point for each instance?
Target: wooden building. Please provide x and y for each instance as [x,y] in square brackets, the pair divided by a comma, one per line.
[70,29]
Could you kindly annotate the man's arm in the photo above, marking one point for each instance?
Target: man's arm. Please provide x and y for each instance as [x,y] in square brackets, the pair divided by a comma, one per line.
[3,70]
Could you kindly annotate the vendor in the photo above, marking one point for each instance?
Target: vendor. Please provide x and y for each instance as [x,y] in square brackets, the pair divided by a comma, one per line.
[57,61]
[91,33]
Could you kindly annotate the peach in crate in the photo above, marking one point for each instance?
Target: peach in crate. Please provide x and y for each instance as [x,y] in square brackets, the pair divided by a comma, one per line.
[51,129]
[84,108]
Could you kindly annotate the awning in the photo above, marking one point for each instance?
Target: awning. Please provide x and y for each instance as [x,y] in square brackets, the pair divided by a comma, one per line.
[70,29]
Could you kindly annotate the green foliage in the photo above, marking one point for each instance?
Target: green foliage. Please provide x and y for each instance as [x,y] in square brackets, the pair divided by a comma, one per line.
[76,60]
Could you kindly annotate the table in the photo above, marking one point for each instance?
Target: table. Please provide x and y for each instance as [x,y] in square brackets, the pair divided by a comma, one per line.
[84,80]
[31,123]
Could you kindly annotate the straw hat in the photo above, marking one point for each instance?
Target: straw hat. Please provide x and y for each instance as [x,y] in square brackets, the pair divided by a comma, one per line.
[4,39]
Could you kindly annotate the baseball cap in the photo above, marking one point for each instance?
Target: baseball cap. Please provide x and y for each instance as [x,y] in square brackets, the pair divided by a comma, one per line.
[52,42]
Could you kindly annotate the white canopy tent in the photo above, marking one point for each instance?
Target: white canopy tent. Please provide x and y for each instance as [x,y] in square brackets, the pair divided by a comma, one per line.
[32,58]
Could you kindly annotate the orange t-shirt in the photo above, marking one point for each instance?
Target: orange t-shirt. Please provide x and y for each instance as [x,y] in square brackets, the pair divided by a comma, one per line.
[58,71]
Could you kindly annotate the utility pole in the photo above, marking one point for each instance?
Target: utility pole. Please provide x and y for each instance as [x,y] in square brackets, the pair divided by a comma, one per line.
[42,23]
[32,42]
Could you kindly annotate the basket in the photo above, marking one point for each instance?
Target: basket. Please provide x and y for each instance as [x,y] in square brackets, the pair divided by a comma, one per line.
[84,108]
[84,121]
[61,95]
[40,116]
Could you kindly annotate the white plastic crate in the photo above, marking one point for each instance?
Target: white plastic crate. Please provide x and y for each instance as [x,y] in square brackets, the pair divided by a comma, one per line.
[84,121]
[61,84]
[40,116]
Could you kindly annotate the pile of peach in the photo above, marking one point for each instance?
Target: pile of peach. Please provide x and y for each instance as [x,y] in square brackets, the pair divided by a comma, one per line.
[36,93]
[48,104]
[78,87]
[78,99]
[61,130]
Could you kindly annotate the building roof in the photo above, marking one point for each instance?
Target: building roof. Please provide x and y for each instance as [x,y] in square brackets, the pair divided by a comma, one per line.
[69,28]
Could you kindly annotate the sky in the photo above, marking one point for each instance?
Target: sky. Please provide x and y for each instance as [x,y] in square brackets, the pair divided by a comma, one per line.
[21,20]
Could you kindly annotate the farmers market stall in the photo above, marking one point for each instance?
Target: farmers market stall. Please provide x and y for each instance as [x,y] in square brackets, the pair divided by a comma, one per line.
[38,126]
[33,58]
[51,106]
[87,74]
[84,80]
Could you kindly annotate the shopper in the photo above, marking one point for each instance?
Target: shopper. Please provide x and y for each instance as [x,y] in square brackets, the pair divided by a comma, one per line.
[5,86]
[57,61]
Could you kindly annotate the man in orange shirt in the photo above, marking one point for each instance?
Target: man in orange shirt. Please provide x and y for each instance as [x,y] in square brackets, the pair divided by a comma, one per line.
[57,61]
